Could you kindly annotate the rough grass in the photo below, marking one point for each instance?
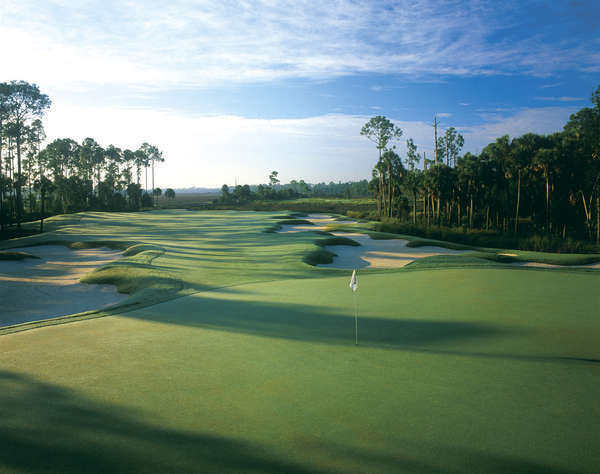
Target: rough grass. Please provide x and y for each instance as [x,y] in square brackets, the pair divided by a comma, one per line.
[49,239]
[295,222]
[337,241]
[16,255]
[320,256]
[358,206]
[438,243]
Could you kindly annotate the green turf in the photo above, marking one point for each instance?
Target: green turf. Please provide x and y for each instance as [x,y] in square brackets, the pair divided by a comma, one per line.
[457,370]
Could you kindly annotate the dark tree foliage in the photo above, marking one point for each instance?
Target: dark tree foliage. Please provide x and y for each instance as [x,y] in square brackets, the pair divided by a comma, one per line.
[546,185]
[64,176]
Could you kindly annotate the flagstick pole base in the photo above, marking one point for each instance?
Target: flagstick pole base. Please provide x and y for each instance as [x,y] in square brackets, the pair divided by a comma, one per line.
[355,321]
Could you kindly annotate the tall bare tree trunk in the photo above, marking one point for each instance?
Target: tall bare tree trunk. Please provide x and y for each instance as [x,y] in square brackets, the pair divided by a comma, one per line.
[1,185]
[43,198]
[390,197]
[471,213]
[414,207]
[547,202]
[19,193]
[435,140]
[447,158]
[518,202]
[598,219]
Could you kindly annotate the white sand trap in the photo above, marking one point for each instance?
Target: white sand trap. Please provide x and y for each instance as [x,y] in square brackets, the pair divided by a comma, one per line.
[35,289]
[391,253]
[380,253]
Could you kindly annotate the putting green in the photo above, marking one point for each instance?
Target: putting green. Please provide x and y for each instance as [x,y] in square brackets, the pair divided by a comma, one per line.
[483,369]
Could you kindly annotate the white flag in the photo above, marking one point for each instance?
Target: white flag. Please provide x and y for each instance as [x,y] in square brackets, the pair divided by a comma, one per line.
[354,281]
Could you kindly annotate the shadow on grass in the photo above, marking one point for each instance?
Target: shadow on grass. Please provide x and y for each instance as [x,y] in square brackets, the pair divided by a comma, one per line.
[47,428]
[428,458]
[311,323]
[51,429]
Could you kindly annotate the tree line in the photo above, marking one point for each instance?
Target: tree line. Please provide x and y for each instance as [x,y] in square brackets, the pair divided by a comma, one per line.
[275,191]
[63,176]
[543,184]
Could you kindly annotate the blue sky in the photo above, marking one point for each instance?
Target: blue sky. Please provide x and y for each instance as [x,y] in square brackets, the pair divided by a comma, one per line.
[231,90]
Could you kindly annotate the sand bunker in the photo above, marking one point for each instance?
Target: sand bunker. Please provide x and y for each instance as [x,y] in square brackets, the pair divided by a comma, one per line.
[35,289]
[380,253]
[391,253]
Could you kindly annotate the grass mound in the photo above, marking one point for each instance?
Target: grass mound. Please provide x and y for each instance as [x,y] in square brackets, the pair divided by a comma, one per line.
[449,261]
[320,256]
[138,248]
[93,244]
[437,243]
[337,241]
[295,222]
[16,255]
[278,225]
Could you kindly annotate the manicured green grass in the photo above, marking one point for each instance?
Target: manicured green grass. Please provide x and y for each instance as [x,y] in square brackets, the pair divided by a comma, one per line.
[251,366]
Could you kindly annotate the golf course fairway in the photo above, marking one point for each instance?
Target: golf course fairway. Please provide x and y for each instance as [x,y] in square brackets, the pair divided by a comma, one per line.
[232,354]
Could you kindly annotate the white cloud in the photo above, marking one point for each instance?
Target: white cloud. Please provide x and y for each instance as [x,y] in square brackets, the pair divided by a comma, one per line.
[183,43]
[544,120]
[444,114]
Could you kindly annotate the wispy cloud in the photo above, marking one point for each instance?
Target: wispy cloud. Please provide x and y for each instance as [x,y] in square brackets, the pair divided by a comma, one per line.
[548,86]
[561,99]
[543,120]
[183,43]
[444,114]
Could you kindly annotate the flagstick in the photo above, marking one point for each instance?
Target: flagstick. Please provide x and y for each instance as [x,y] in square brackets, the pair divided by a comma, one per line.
[355,320]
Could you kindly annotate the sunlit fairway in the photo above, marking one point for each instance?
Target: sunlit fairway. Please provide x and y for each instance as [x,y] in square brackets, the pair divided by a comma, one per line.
[234,355]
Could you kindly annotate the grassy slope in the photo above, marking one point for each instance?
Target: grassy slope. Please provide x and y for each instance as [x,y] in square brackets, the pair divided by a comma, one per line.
[183,251]
[460,370]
